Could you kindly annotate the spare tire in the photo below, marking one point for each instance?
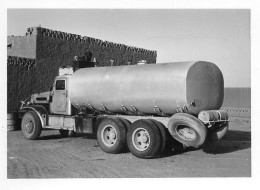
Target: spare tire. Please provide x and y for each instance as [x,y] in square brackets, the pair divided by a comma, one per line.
[187,129]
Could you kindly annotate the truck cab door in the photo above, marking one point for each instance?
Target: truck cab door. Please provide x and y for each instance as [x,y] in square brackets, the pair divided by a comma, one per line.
[59,97]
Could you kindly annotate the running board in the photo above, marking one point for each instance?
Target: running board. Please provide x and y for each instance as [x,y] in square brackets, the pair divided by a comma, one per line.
[58,127]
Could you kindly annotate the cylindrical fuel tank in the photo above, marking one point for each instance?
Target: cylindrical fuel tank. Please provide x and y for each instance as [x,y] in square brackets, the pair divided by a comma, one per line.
[171,87]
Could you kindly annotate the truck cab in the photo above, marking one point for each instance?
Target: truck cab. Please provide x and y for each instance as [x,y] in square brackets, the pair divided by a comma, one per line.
[53,110]
[55,101]
[60,102]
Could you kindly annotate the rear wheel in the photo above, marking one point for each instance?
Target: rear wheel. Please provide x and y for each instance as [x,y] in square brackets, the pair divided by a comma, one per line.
[126,122]
[187,129]
[127,125]
[111,135]
[144,139]
[31,125]
[164,136]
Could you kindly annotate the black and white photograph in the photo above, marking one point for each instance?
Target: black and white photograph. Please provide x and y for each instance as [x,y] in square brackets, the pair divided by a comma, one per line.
[128,93]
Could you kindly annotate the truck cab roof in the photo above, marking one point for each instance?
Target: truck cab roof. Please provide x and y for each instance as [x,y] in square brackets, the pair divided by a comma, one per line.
[65,76]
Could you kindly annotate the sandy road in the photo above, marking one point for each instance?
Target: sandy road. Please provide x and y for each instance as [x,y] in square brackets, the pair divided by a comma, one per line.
[80,157]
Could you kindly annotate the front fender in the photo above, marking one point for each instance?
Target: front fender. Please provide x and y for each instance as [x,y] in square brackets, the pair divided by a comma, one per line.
[40,111]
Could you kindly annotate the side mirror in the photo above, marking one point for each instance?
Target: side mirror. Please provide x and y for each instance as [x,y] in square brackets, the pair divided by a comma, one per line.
[51,87]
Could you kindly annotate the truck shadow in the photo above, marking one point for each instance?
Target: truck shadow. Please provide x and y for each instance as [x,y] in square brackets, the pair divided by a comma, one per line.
[50,137]
[58,136]
[233,141]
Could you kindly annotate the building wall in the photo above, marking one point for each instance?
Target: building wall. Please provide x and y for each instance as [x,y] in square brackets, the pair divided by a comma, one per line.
[22,46]
[49,50]
[20,81]
[34,59]
[56,49]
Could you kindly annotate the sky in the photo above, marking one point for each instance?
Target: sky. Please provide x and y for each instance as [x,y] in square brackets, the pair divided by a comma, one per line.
[218,36]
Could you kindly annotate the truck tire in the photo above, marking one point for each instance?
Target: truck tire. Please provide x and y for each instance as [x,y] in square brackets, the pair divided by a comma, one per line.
[144,139]
[187,129]
[67,133]
[127,125]
[126,122]
[111,135]
[31,125]
[164,136]
[174,146]
[217,134]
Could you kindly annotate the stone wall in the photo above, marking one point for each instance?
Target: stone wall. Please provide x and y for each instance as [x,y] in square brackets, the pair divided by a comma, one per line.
[20,81]
[56,49]
[50,50]
[34,59]
[22,46]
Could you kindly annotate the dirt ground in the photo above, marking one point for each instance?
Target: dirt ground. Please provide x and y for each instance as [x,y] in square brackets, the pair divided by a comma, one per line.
[80,157]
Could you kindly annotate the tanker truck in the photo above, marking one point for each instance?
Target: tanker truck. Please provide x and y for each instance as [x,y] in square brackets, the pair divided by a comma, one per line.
[134,107]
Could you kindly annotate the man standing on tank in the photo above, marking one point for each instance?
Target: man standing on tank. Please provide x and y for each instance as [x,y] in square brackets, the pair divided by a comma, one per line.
[84,61]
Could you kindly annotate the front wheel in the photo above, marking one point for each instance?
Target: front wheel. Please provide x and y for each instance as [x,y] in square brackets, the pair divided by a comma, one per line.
[31,125]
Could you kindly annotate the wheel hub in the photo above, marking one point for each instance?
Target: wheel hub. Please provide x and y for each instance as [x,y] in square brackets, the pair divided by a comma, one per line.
[109,135]
[141,139]
[29,127]
[144,138]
